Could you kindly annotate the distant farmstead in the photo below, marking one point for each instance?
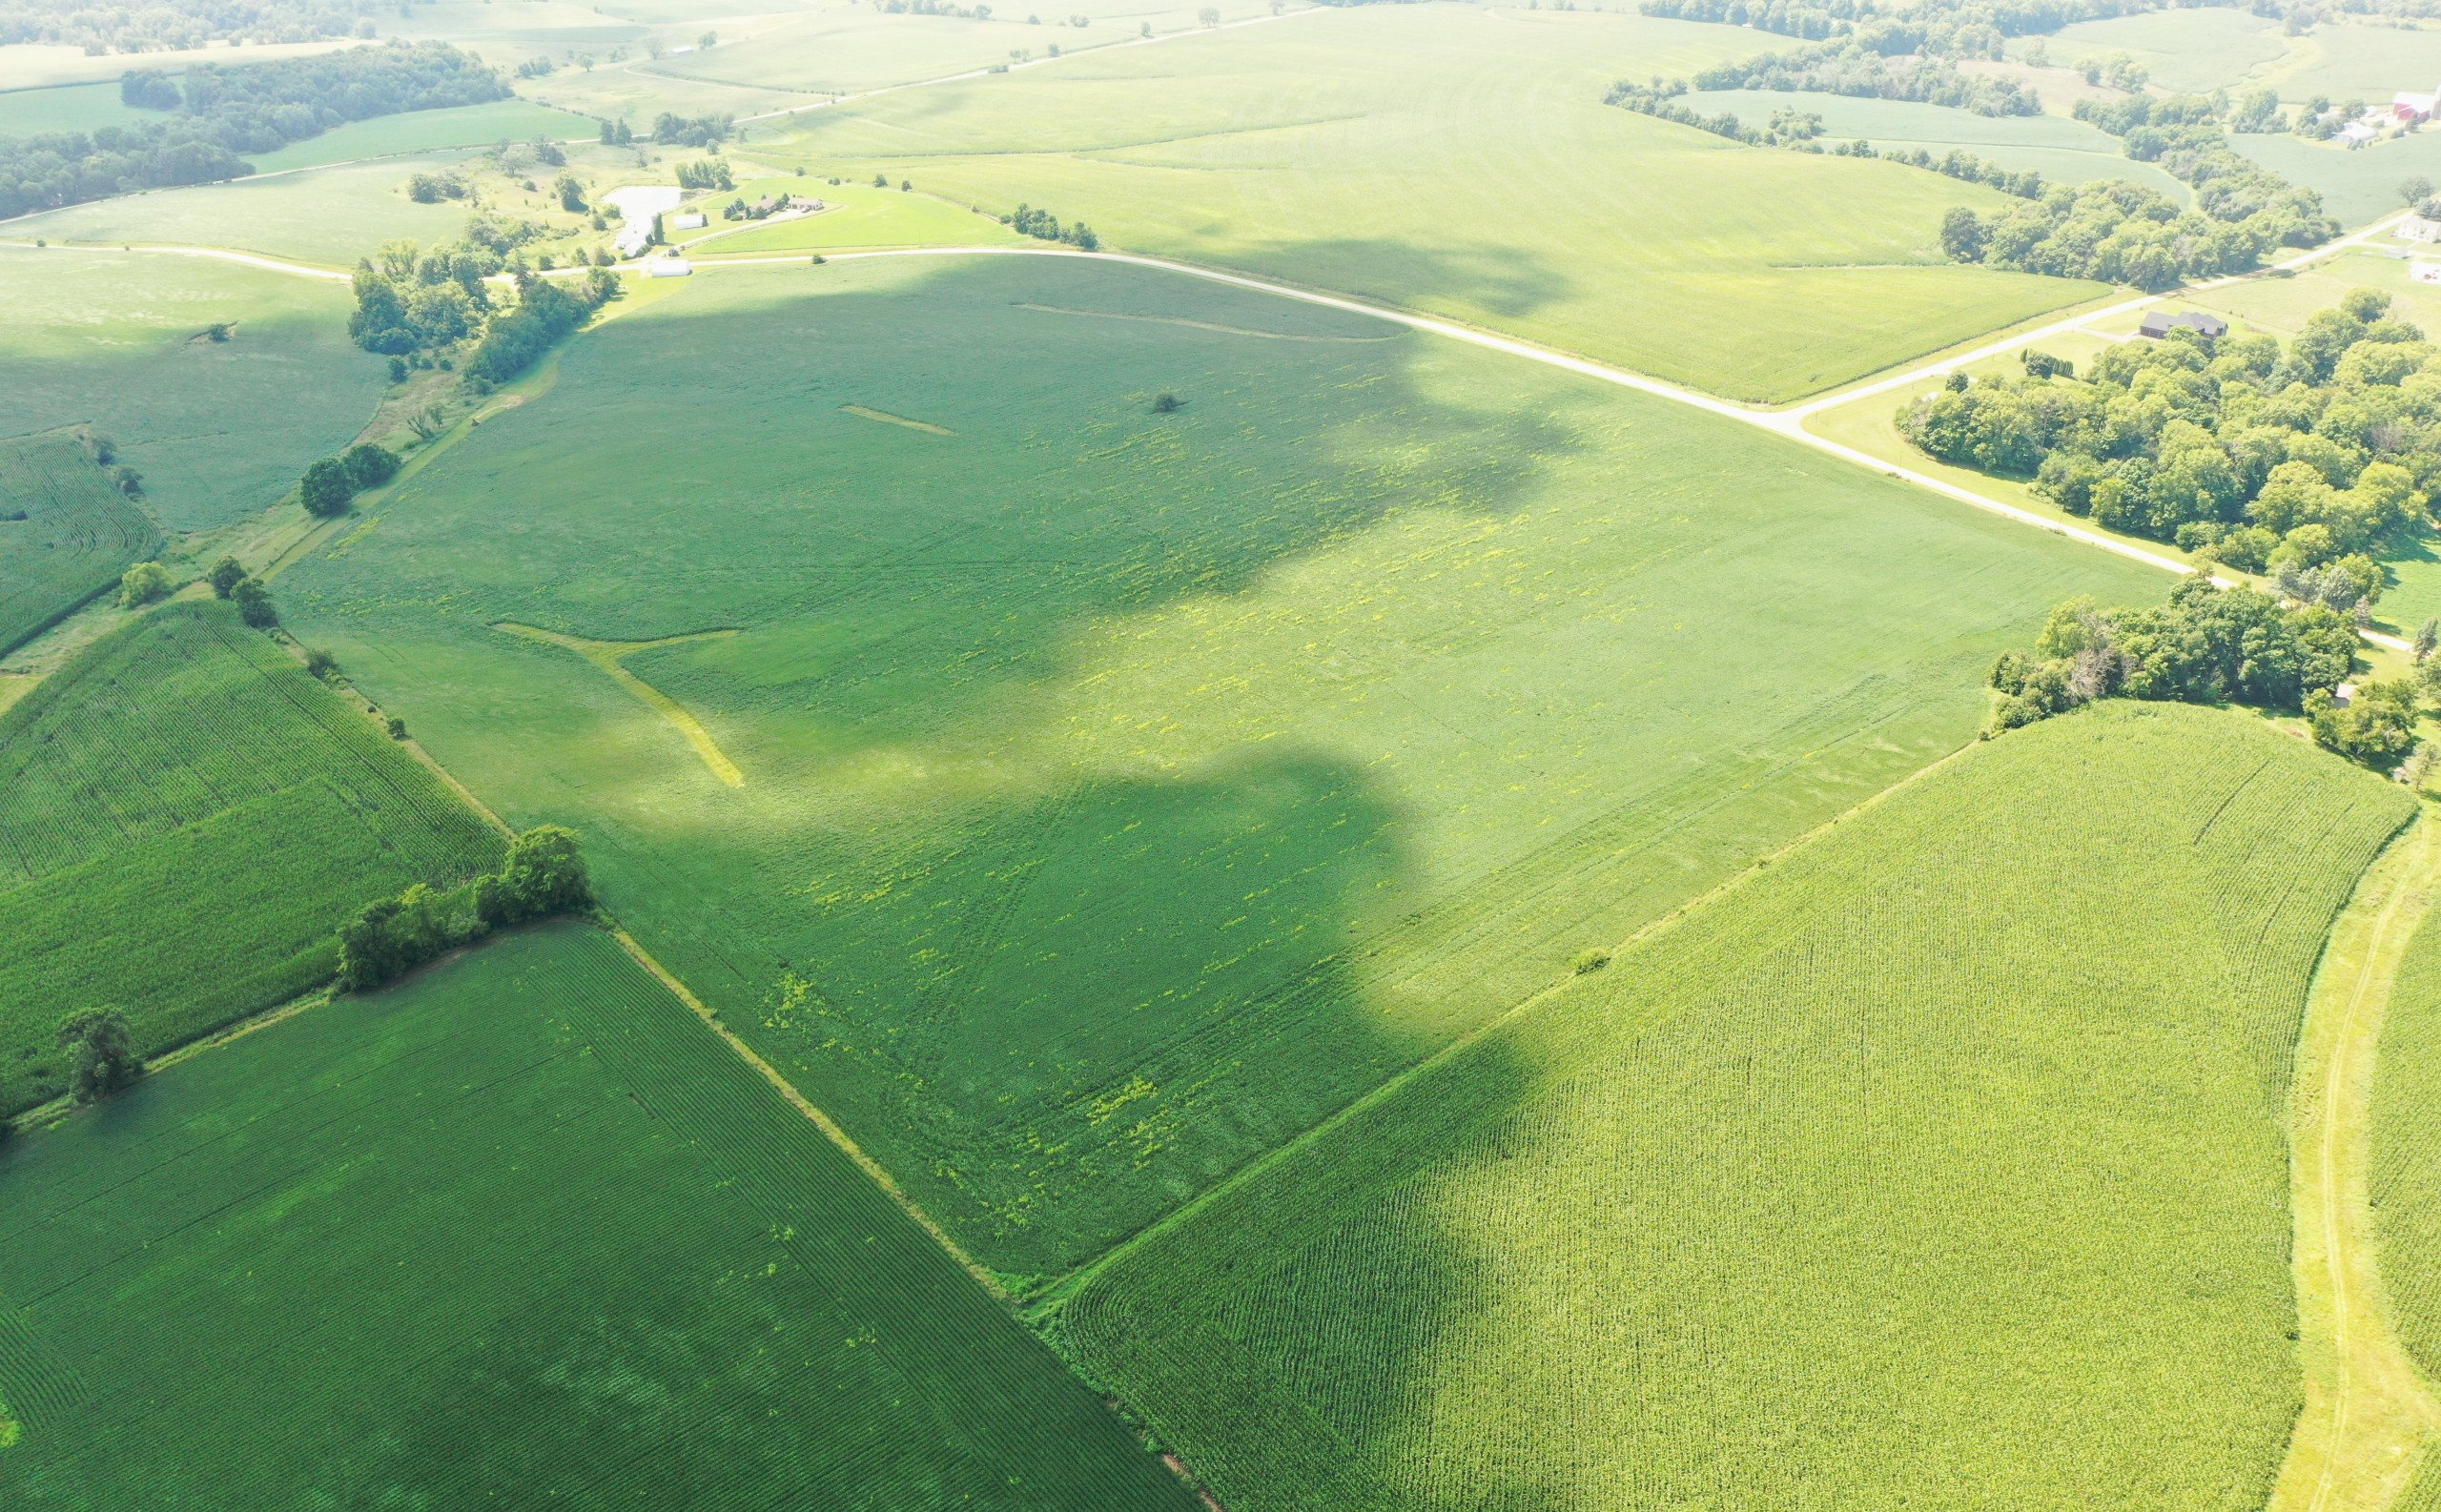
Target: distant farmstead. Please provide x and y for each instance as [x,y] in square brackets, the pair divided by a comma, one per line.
[2159,323]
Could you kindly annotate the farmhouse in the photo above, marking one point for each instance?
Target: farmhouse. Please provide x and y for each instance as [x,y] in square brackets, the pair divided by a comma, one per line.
[2415,228]
[2159,323]
[632,240]
[2355,134]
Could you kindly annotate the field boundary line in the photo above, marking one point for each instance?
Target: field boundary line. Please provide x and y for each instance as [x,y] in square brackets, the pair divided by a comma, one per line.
[2368,1416]
[872,1168]
[1066,1286]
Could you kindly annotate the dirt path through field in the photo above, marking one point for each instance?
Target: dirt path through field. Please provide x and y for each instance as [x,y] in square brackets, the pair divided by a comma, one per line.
[2369,1416]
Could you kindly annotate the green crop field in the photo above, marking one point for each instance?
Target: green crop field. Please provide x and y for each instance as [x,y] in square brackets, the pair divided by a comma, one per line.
[1116,793]
[2406,1185]
[426,131]
[65,534]
[2191,50]
[519,1232]
[1461,161]
[2063,151]
[1942,1163]
[185,818]
[219,429]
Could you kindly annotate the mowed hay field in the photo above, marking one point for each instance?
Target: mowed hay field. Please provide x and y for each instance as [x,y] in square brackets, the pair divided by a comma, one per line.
[66,533]
[185,818]
[1942,1163]
[219,429]
[1078,801]
[519,1232]
[1460,160]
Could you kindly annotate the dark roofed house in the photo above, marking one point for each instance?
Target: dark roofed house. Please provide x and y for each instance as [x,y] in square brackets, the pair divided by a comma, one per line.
[2159,323]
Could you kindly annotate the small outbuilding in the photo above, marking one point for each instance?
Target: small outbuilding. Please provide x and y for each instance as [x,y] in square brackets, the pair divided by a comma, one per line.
[2355,134]
[690,221]
[668,268]
[2159,323]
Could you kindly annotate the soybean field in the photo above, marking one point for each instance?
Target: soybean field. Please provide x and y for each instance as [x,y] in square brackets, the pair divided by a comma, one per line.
[2406,1179]
[518,1232]
[1942,1162]
[1077,799]
[186,815]
[65,534]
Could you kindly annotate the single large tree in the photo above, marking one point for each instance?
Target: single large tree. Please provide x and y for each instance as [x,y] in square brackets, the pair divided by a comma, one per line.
[101,1052]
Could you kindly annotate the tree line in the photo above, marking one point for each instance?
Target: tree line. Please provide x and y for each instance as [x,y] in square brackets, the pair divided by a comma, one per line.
[1799,130]
[2262,456]
[144,26]
[2215,645]
[222,112]
[543,874]
[1044,226]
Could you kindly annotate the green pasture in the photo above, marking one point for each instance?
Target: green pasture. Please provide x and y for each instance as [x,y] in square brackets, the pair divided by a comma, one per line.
[518,1233]
[2063,151]
[26,66]
[857,215]
[1119,792]
[2358,187]
[2406,1182]
[327,215]
[427,131]
[1912,1172]
[65,108]
[185,818]
[2345,61]
[1460,160]
[66,533]
[219,429]
[2192,50]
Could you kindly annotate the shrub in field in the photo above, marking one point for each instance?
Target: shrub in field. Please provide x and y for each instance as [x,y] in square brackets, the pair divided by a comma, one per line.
[143,584]
[225,575]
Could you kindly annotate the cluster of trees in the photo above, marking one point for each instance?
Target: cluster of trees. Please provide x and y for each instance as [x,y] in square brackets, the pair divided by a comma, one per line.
[2183,135]
[330,485]
[2205,645]
[2117,232]
[2303,459]
[230,580]
[1045,226]
[545,314]
[710,173]
[1945,28]
[544,875]
[146,25]
[681,131]
[224,111]
[1855,68]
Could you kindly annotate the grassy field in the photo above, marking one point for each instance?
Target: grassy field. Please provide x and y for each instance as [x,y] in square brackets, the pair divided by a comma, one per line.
[2358,187]
[2344,62]
[2187,50]
[1119,792]
[327,215]
[2063,151]
[77,533]
[219,429]
[24,66]
[185,817]
[1460,160]
[65,108]
[2406,1183]
[1905,1174]
[859,216]
[426,130]
[518,1233]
